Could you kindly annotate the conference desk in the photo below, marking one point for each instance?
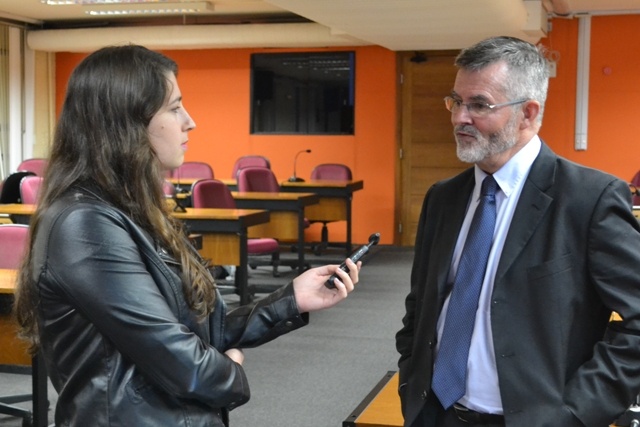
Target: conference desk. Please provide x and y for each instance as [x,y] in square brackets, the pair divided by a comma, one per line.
[224,238]
[14,352]
[334,204]
[224,235]
[288,212]
[380,408]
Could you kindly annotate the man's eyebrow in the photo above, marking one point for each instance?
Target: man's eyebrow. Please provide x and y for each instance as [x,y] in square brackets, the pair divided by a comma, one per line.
[176,100]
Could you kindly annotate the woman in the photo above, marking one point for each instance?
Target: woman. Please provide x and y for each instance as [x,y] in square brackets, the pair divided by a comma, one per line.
[124,311]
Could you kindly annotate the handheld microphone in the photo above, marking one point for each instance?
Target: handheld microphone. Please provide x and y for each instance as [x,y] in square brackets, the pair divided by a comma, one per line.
[355,256]
[294,178]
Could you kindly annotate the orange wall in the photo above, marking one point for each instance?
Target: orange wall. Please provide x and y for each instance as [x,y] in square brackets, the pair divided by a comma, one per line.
[215,85]
[614,114]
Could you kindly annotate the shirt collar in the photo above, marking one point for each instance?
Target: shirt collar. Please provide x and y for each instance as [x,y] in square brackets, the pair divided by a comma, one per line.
[512,175]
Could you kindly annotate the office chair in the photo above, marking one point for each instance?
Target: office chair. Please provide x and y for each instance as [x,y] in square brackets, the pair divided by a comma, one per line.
[257,179]
[249,161]
[331,172]
[13,243]
[211,193]
[635,181]
[11,187]
[193,170]
[29,188]
[35,165]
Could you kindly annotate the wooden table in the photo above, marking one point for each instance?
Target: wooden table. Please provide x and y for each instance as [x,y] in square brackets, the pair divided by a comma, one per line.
[380,408]
[224,235]
[334,205]
[14,352]
[287,216]
[224,238]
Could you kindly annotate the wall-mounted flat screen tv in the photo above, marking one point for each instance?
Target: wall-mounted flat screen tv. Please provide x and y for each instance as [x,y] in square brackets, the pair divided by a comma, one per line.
[308,93]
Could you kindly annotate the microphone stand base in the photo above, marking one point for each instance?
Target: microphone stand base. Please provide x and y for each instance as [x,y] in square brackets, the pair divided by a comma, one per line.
[295,179]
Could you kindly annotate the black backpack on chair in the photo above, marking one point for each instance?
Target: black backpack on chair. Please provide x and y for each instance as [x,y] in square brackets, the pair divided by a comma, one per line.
[11,187]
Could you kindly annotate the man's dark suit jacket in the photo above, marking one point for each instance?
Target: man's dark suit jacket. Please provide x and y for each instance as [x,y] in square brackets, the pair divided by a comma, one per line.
[571,256]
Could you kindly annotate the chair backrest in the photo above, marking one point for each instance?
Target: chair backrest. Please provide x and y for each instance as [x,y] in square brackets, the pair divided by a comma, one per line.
[636,182]
[193,170]
[11,187]
[13,244]
[29,188]
[211,193]
[249,161]
[257,179]
[34,165]
[332,171]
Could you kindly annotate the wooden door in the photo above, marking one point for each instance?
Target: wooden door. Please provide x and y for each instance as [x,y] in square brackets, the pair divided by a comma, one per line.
[428,149]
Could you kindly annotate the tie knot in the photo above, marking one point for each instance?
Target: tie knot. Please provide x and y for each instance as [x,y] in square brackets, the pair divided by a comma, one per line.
[489,186]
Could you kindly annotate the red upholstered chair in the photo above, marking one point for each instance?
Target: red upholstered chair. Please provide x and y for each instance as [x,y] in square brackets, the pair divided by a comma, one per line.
[636,183]
[29,189]
[193,170]
[13,243]
[211,193]
[257,179]
[34,165]
[331,172]
[250,161]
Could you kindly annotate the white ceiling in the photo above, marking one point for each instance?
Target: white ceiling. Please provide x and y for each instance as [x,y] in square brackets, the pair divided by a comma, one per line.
[397,25]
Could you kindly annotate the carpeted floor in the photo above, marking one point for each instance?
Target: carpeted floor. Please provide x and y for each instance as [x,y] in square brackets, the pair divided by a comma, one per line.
[315,376]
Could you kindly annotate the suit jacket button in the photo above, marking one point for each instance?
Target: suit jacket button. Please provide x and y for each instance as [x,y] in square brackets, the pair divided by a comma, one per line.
[423,395]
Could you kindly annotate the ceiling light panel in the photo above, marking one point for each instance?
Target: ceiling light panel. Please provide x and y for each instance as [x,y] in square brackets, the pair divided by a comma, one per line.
[148,8]
[89,2]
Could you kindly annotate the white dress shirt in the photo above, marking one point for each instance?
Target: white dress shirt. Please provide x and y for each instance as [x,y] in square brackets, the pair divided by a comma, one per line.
[483,391]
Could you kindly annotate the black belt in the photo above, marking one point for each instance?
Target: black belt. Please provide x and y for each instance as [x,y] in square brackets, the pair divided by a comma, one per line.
[472,417]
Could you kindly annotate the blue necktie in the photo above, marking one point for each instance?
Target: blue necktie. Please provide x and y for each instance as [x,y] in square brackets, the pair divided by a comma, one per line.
[450,368]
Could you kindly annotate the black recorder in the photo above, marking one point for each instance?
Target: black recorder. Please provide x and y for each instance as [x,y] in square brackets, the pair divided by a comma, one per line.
[355,256]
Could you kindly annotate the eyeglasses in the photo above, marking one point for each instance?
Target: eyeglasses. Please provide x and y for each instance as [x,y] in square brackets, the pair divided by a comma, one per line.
[476,108]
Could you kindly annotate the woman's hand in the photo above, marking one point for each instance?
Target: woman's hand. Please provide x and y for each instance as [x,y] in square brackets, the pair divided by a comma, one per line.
[236,355]
[311,293]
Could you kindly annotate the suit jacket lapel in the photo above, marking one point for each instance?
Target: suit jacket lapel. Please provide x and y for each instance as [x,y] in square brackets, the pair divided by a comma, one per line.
[532,206]
[454,209]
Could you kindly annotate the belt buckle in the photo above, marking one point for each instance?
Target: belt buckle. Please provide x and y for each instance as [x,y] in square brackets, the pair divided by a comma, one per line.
[461,411]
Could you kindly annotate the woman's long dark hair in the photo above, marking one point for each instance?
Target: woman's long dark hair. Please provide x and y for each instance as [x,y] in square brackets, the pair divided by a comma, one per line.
[101,140]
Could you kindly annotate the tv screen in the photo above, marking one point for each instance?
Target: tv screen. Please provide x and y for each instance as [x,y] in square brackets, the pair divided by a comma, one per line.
[303,93]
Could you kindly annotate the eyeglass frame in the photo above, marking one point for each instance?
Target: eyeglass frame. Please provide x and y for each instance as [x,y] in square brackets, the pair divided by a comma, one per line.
[491,107]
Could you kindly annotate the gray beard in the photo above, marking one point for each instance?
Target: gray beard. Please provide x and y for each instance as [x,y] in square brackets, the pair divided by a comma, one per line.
[482,148]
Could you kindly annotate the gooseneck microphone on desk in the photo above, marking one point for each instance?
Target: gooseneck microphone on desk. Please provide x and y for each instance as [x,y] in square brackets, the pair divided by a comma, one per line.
[294,178]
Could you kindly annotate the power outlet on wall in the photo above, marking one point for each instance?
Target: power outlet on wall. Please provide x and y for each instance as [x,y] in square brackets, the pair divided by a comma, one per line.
[552,68]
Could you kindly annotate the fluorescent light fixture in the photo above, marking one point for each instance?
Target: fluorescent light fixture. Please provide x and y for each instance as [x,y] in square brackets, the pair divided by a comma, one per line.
[137,9]
[90,2]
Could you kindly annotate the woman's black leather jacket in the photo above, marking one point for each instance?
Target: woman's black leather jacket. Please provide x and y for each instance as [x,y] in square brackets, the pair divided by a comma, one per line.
[122,347]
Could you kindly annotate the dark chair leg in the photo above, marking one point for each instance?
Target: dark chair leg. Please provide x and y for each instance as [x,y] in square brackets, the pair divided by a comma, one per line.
[275,260]
[324,240]
[14,411]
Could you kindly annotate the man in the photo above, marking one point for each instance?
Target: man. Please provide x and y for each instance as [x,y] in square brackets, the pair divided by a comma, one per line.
[565,253]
